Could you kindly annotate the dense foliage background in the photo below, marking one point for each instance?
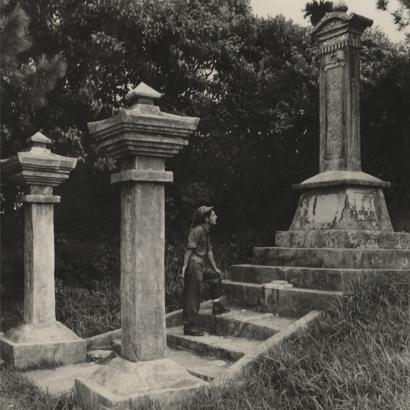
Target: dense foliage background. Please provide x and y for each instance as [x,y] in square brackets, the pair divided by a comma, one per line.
[252,81]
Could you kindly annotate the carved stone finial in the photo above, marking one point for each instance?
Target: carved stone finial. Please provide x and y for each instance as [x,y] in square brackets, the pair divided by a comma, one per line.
[142,94]
[38,140]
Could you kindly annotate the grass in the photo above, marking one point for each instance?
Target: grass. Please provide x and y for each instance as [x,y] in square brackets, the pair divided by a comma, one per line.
[358,357]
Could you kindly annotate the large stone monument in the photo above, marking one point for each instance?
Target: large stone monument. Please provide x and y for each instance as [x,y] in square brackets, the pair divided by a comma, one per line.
[140,138]
[40,340]
[341,232]
[341,196]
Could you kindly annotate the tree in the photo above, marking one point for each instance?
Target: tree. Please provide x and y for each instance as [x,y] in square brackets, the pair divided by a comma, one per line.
[317,10]
[401,16]
[25,80]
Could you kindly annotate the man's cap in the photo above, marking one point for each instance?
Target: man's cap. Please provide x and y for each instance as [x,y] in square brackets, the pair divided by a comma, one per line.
[203,210]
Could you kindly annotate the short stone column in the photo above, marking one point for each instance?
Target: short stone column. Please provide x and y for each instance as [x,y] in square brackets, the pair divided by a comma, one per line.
[40,340]
[341,196]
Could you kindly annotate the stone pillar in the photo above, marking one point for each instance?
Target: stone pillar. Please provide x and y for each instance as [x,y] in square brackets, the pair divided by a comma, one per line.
[39,292]
[140,138]
[338,48]
[40,340]
[142,258]
[341,196]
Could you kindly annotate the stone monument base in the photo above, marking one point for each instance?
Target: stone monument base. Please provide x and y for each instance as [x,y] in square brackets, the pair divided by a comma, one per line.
[342,200]
[41,345]
[123,385]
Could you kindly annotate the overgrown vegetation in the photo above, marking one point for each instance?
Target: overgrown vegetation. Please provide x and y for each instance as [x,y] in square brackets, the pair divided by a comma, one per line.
[88,286]
[358,357]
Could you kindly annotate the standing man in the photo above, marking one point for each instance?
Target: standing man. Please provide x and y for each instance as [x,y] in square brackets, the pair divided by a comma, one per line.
[199,266]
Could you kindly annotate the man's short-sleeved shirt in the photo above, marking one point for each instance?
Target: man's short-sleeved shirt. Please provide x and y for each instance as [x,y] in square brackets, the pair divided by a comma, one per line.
[199,240]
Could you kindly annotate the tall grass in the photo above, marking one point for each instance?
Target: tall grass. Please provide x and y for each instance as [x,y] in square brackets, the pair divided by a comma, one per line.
[357,358]
[90,306]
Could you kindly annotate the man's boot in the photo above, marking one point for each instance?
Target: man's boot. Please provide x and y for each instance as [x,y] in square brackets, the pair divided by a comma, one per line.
[218,308]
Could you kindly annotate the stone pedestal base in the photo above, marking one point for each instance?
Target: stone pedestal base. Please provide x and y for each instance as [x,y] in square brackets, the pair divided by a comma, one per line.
[122,384]
[41,345]
[342,200]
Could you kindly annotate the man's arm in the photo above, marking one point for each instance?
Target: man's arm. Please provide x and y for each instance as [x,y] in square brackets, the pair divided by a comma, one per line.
[212,261]
[187,257]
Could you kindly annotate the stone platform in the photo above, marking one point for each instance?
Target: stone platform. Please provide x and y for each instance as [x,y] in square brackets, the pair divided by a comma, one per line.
[121,384]
[37,345]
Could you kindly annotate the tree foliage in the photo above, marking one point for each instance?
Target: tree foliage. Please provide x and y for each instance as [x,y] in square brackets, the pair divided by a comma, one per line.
[25,79]
[401,15]
[316,10]
[252,81]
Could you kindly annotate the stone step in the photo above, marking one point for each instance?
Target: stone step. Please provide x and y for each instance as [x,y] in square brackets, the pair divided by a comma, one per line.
[288,302]
[241,322]
[313,278]
[204,366]
[223,347]
[333,238]
[333,258]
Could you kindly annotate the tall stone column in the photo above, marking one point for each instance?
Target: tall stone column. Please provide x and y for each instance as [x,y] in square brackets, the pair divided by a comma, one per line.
[142,258]
[40,340]
[140,138]
[341,196]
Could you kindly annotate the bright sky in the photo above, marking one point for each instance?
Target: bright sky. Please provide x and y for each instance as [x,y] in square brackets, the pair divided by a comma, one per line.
[293,9]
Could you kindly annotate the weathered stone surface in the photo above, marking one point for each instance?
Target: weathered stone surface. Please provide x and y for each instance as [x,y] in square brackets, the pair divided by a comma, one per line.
[296,302]
[141,137]
[338,39]
[341,196]
[285,302]
[142,129]
[333,238]
[315,278]
[241,369]
[39,292]
[342,178]
[60,380]
[333,258]
[302,277]
[40,341]
[41,345]
[242,323]
[98,355]
[38,166]
[199,364]
[341,208]
[203,367]
[142,270]
[224,347]
[121,385]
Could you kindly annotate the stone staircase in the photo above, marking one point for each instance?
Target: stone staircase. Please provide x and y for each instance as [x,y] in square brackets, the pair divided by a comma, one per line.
[320,268]
[284,289]
[228,338]
[227,352]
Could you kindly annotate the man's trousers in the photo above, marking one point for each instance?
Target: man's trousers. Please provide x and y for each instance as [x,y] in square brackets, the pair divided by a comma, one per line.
[197,273]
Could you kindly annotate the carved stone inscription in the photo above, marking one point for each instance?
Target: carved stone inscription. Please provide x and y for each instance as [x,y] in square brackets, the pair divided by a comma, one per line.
[334,112]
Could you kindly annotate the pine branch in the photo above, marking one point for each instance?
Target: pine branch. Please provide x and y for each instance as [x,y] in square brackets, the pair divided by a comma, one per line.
[14,38]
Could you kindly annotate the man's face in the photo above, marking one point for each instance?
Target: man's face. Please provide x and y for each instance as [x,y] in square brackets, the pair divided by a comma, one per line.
[212,218]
